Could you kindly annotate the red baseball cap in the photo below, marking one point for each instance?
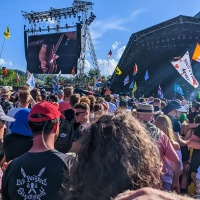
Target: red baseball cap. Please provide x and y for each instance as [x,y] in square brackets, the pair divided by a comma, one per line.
[48,109]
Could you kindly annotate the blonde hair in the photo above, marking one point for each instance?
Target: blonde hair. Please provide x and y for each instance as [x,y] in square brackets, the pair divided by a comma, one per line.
[164,123]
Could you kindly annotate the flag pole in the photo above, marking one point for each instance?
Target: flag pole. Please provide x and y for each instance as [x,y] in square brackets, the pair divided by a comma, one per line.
[2,46]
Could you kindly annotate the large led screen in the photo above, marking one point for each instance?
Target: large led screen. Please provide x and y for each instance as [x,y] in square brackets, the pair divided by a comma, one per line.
[50,53]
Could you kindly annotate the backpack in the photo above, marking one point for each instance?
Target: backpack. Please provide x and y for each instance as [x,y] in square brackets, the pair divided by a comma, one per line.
[64,140]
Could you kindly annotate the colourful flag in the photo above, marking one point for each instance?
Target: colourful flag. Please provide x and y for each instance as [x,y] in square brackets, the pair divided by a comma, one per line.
[183,66]
[99,81]
[196,54]
[109,54]
[178,89]
[126,80]
[31,82]
[131,85]
[146,77]
[134,89]
[7,33]
[107,91]
[73,72]
[4,71]
[28,74]
[160,93]
[118,71]
[58,75]
[135,69]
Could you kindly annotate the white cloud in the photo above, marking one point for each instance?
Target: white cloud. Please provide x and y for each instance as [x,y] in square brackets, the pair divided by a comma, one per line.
[120,52]
[115,45]
[107,66]
[98,28]
[3,62]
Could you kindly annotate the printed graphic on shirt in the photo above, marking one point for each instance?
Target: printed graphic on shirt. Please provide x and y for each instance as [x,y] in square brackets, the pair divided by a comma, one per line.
[32,187]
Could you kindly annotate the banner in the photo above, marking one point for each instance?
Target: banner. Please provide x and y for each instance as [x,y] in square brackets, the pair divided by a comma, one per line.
[134,89]
[183,66]
[118,71]
[31,82]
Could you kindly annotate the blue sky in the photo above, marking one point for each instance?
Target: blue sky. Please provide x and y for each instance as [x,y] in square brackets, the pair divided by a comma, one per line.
[114,23]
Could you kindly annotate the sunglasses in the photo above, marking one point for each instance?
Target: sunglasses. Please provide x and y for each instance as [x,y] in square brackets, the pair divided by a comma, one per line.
[78,113]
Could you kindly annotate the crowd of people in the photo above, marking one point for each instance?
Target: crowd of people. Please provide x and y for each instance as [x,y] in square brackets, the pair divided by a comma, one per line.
[81,147]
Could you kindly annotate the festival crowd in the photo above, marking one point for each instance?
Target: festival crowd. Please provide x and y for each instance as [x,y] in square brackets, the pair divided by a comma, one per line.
[70,146]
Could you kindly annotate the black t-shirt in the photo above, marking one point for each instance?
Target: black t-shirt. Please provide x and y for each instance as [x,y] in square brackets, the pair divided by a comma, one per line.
[43,175]
[191,116]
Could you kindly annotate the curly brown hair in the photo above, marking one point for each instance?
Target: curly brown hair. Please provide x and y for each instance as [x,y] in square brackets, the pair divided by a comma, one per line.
[117,155]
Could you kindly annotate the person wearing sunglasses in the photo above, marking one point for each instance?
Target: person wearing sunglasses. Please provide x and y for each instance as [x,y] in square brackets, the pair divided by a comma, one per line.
[82,114]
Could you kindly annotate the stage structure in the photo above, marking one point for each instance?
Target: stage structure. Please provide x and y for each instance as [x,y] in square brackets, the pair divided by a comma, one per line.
[152,49]
[56,39]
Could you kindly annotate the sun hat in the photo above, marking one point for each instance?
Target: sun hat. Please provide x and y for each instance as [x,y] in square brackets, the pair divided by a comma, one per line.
[146,109]
[5,91]
[46,109]
[174,105]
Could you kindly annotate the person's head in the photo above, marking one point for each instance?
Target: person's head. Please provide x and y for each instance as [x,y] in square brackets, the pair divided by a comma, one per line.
[195,106]
[81,112]
[24,98]
[68,91]
[92,101]
[157,102]
[197,119]
[44,119]
[5,93]
[163,104]
[74,99]
[24,87]
[164,123]
[53,98]
[117,155]
[174,109]
[85,99]
[35,93]
[3,119]
[109,97]
[145,112]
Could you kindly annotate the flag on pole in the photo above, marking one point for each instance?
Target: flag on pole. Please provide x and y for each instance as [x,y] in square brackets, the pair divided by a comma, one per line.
[28,74]
[196,54]
[146,76]
[31,82]
[178,89]
[183,66]
[109,54]
[126,80]
[99,81]
[118,71]
[17,78]
[160,93]
[135,69]
[107,91]
[7,33]
[131,86]
[4,71]
[134,89]
[58,76]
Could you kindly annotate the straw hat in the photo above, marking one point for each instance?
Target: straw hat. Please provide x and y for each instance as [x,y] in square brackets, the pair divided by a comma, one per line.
[5,92]
[146,109]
